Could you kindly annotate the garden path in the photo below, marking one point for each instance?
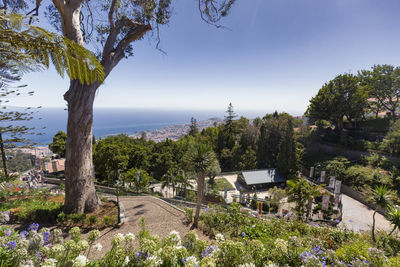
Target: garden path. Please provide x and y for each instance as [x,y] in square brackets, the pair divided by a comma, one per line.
[358,217]
[161,218]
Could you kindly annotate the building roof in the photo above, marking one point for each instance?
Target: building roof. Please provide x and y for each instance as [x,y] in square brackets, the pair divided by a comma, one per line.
[262,177]
[56,165]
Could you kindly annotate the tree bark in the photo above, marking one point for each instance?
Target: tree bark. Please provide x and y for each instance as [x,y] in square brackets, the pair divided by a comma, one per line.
[373,226]
[200,193]
[80,195]
[80,192]
[3,156]
[394,228]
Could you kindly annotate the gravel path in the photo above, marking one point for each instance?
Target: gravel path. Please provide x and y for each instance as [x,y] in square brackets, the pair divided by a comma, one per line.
[160,218]
[358,217]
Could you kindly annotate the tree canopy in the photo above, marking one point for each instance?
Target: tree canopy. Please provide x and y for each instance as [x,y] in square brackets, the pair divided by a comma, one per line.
[341,97]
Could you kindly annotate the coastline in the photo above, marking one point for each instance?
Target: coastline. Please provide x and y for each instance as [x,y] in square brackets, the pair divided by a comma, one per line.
[174,132]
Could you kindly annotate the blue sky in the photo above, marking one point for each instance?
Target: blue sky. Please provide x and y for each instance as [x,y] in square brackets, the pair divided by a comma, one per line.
[276,56]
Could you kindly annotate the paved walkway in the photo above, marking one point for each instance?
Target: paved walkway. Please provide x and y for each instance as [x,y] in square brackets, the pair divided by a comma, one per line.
[161,219]
[358,217]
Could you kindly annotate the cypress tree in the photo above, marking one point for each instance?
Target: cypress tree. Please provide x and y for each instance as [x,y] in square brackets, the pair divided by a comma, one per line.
[287,159]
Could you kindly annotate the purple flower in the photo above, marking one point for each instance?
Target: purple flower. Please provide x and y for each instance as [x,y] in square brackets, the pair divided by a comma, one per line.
[23,234]
[208,251]
[243,234]
[11,245]
[33,227]
[46,236]
[8,232]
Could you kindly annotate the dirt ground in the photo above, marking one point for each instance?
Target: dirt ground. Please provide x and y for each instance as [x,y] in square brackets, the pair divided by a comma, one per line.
[160,218]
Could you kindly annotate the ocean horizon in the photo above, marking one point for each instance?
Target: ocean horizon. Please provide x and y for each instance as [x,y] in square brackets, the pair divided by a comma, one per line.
[113,121]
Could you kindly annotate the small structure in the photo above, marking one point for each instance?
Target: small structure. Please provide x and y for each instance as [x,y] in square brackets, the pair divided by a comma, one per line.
[261,179]
[54,166]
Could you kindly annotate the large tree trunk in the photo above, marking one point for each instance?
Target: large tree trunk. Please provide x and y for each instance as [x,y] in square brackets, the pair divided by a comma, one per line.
[200,194]
[3,156]
[80,195]
[373,226]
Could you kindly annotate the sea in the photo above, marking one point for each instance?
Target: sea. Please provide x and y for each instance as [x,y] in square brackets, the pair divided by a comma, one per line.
[113,121]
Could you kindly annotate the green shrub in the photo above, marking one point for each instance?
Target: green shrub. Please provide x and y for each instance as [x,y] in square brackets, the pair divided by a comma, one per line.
[254,203]
[92,220]
[348,252]
[189,214]
[107,220]
[61,217]
[77,217]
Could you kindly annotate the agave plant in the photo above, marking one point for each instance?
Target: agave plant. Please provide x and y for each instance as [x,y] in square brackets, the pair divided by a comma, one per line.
[393,216]
[381,197]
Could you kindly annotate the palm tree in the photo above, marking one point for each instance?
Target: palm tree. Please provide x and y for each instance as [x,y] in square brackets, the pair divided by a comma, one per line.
[183,179]
[301,192]
[393,216]
[381,197]
[169,180]
[200,158]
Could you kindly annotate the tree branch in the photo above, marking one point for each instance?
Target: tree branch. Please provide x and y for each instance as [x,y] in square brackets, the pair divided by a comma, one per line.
[113,54]
[110,15]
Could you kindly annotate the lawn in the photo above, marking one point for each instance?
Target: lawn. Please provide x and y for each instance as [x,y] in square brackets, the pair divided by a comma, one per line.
[220,184]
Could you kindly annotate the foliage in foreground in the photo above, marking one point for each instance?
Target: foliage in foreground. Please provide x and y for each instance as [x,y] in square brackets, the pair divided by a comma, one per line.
[302,244]
[295,243]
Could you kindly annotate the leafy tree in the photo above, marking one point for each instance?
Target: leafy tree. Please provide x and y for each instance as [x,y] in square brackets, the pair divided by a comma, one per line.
[140,155]
[248,160]
[391,142]
[381,197]
[213,171]
[193,130]
[272,129]
[337,167]
[383,84]
[27,48]
[200,158]
[287,161]
[59,143]
[126,22]
[109,158]
[131,176]
[341,97]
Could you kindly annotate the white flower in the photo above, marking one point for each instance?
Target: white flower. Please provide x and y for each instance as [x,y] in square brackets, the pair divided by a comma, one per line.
[98,247]
[219,237]
[118,238]
[178,247]
[79,261]
[191,261]
[57,249]
[126,261]
[27,264]
[129,237]
[281,244]
[247,265]
[174,237]
[153,261]
[50,263]
[83,245]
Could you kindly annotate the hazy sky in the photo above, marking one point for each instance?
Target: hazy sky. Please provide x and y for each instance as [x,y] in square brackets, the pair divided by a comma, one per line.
[276,56]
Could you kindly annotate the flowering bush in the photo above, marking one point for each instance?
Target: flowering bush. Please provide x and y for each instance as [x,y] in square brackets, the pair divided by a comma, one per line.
[300,245]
